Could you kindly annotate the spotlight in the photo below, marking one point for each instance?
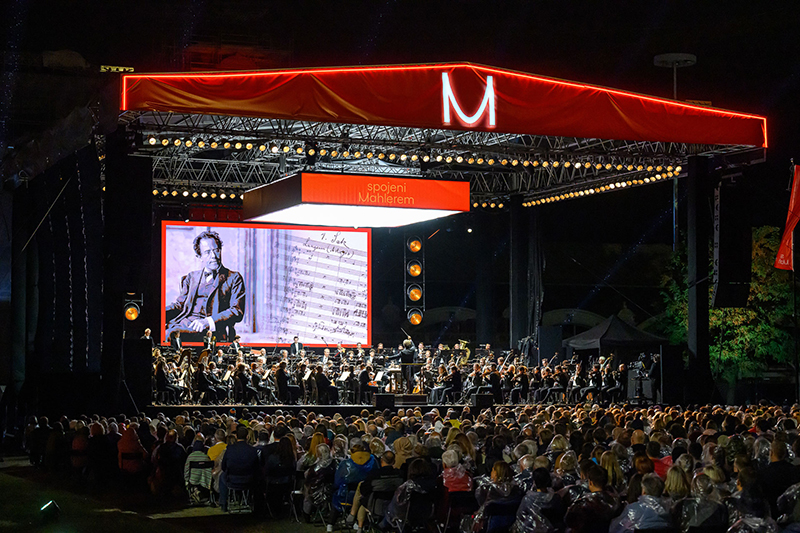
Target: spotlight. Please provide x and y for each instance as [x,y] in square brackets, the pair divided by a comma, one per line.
[184,193]
[151,140]
[213,194]
[222,195]
[414,157]
[214,145]
[203,194]
[608,166]
[504,162]
[273,148]
[370,154]
[248,146]
[232,196]
[449,159]
[555,164]
[188,143]
[471,160]
[500,206]
[238,145]
[426,158]
[323,152]
[484,204]
[567,164]
[459,159]
[165,192]
[286,148]
[381,155]
[535,163]
[414,268]
[131,312]
[475,204]
[164,142]
[346,154]
[357,154]
[415,316]
[177,142]
[619,167]
[490,161]
[174,192]
[492,205]
[226,144]
[201,143]
[334,153]
[678,169]
[414,244]
[262,148]
[439,158]
[194,194]
[545,164]
[155,192]
[311,151]
[414,293]
[403,157]
[598,166]
[525,163]
[480,161]
[649,168]
[469,230]
[298,149]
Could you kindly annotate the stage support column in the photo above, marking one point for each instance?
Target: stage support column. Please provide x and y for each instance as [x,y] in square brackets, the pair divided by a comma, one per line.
[699,225]
[518,274]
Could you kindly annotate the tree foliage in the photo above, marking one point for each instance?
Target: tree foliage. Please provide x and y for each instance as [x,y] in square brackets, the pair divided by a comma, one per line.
[742,340]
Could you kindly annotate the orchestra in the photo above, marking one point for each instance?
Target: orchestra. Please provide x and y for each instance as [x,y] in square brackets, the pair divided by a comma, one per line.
[221,375]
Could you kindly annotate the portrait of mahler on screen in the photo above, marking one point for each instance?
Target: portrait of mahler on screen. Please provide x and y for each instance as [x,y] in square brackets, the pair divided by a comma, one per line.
[210,299]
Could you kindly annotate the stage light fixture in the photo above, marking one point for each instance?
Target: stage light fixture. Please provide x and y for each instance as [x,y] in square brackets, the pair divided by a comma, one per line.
[545,164]
[414,244]
[298,149]
[484,204]
[381,156]
[323,152]
[471,160]
[370,155]
[201,143]
[155,192]
[459,159]
[403,157]
[248,146]
[449,159]
[311,151]
[184,193]
[469,230]
[414,293]
[214,145]
[195,194]
[669,168]
[262,147]
[555,164]
[414,269]
[415,316]
[213,194]
[226,144]
[203,193]
[598,166]
[232,196]
[525,163]
[492,205]
[222,195]
[475,204]
[629,167]
[174,192]
[273,148]
[414,158]
[639,167]
[165,192]
[286,148]
[535,163]
[345,154]
[164,142]
[357,154]
[619,167]
[659,168]
[678,169]
[649,168]
[567,164]
[490,161]
[647,180]
[177,142]
[500,206]
[504,162]
[188,143]
[151,140]
[131,311]
[426,158]
[669,174]
[480,161]
[608,166]
[439,158]
[238,145]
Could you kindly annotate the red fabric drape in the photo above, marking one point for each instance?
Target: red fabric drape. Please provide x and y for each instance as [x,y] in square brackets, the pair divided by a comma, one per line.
[412,96]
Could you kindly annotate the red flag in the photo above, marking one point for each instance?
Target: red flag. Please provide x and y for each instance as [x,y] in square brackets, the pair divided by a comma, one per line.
[785,259]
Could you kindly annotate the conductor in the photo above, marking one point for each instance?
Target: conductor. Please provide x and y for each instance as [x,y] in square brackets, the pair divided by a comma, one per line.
[408,356]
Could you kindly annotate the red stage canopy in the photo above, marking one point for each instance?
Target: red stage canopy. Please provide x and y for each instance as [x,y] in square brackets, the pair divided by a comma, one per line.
[458,96]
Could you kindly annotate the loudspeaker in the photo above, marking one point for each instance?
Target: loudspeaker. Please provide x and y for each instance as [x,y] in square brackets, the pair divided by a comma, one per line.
[138,355]
[482,401]
[383,401]
[733,245]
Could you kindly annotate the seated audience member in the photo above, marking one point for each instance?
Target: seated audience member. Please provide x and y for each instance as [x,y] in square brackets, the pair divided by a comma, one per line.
[318,484]
[541,510]
[749,500]
[778,475]
[455,477]
[198,481]
[168,460]
[648,512]
[349,474]
[700,510]
[593,512]
[381,482]
[421,480]
[131,455]
[241,467]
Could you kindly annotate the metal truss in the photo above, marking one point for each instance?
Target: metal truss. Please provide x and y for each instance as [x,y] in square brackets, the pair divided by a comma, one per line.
[495,164]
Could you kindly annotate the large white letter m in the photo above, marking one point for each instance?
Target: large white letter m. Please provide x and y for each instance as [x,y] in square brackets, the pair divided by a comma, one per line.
[449,99]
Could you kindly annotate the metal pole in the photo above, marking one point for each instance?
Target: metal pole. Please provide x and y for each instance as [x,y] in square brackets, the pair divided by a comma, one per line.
[794,315]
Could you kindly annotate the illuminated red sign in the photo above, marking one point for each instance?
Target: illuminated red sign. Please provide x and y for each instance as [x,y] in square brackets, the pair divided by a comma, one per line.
[385,192]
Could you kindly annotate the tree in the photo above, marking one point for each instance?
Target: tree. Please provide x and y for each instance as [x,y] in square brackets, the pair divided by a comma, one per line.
[744,340]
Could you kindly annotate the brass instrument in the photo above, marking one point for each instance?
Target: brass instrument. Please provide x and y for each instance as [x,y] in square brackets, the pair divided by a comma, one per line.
[465,358]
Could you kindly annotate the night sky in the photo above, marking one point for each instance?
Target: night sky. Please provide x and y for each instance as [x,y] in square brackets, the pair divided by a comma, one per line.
[748,60]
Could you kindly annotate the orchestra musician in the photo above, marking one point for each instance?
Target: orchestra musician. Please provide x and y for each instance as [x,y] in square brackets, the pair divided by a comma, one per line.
[176,343]
[453,384]
[495,382]
[204,385]
[519,393]
[216,382]
[209,342]
[474,380]
[244,391]
[164,382]
[295,347]
[148,337]
[340,351]
[440,384]
[282,378]
[365,378]
[235,346]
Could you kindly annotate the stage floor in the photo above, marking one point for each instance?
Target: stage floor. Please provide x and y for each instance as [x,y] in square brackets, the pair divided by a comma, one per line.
[324,410]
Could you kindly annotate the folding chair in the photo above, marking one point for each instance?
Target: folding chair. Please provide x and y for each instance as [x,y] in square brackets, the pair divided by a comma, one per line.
[500,515]
[200,494]
[419,514]
[459,503]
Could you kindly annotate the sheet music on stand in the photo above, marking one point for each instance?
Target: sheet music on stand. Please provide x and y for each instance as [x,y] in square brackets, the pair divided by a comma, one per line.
[227,376]
[344,376]
[307,375]
[379,376]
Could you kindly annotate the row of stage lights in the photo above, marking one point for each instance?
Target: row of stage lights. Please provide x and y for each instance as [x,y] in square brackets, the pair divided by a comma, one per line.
[402,157]
[203,194]
[670,173]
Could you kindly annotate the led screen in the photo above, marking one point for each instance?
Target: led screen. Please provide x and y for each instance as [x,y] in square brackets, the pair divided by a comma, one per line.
[265,283]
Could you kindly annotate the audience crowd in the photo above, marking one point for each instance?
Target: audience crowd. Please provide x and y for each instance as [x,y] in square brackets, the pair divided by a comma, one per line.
[527,469]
